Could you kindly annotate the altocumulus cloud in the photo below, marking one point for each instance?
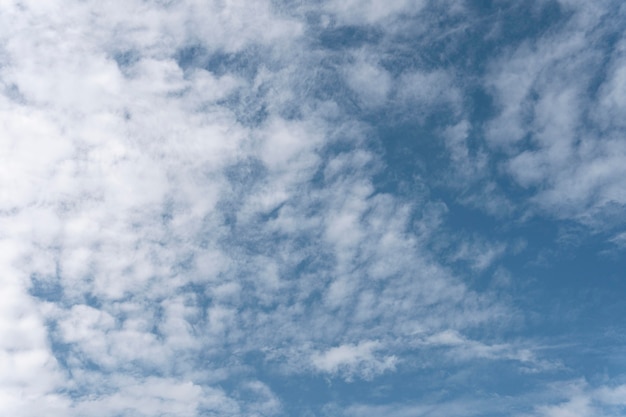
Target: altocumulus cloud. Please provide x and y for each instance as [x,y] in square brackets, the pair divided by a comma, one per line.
[272,208]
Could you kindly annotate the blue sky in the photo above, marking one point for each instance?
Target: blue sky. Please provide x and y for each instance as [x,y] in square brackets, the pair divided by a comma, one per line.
[329,208]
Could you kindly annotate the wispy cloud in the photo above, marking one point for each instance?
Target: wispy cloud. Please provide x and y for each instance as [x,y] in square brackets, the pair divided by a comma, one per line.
[351,359]
[560,93]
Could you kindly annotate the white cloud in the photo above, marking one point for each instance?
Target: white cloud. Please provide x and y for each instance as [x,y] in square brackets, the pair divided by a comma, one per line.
[615,395]
[371,11]
[154,396]
[564,399]
[266,404]
[426,92]
[354,359]
[619,240]
[478,253]
[369,81]
[461,348]
[579,399]
[459,408]
[543,91]
[29,372]
[176,231]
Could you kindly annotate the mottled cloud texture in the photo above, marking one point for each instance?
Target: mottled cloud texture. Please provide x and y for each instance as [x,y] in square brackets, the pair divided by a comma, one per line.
[279,208]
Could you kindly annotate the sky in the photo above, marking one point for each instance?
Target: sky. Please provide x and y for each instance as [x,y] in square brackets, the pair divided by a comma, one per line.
[325,208]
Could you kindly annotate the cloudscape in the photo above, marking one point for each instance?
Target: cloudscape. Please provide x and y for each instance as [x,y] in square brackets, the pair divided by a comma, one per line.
[333,208]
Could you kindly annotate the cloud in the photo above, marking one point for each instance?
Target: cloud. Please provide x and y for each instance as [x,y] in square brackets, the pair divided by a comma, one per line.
[480,255]
[619,240]
[429,92]
[351,359]
[157,395]
[163,230]
[191,205]
[579,399]
[565,399]
[453,408]
[543,91]
[369,11]
[369,81]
